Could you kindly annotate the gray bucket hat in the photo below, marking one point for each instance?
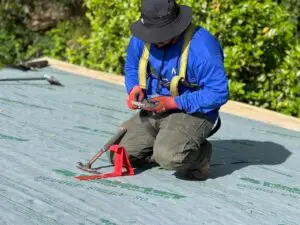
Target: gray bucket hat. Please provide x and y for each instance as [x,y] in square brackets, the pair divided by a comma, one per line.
[161,20]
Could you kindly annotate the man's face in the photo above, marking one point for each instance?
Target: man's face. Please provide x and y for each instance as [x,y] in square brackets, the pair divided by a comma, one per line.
[163,43]
[167,42]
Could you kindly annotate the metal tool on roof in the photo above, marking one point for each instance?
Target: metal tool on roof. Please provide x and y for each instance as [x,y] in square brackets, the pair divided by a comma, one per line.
[120,160]
[51,79]
[31,65]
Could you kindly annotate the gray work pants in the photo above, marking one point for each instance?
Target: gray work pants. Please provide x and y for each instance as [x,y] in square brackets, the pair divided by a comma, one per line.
[175,141]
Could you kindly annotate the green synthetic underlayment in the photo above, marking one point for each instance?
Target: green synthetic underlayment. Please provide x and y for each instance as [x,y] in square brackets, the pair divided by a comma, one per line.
[45,130]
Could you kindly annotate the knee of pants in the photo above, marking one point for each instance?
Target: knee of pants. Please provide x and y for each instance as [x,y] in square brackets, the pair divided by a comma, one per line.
[168,159]
[173,160]
[131,151]
[137,150]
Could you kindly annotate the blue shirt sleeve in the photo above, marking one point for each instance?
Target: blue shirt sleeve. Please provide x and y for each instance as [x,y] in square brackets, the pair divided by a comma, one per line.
[131,66]
[213,93]
[207,65]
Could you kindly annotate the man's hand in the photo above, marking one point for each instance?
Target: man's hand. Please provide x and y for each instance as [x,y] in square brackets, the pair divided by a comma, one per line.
[164,103]
[137,95]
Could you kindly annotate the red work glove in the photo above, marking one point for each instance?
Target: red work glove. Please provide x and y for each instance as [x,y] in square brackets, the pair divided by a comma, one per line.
[136,94]
[164,103]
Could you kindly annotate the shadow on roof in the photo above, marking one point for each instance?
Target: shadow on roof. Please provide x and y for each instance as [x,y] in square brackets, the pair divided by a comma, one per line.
[233,155]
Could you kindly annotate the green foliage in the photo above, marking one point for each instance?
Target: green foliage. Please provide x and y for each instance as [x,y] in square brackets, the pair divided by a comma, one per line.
[110,33]
[257,37]
[19,43]
[200,9]
[66,37]
[260,41]
[293,7]
[68,41]
[11,33]
[254,34]
[283,93]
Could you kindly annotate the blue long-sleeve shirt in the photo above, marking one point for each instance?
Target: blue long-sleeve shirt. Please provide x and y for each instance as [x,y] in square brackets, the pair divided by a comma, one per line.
[204,67]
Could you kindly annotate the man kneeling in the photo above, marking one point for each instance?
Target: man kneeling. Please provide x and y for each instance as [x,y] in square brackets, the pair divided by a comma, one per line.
[178,67]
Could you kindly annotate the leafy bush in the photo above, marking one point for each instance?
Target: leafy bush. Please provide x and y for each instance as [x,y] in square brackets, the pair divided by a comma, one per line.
[257,36]
[293,7]
[13,45]
[64,38]
[260,41]
[283,93]
[20,42]
[109,33]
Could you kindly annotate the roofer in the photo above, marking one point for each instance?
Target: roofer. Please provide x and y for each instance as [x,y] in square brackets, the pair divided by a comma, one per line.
[178,66]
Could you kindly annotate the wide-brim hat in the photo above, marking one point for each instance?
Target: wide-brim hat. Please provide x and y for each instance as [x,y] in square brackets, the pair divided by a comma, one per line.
[161,20]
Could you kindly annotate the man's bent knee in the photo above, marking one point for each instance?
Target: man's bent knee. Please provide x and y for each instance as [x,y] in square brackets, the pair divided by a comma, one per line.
[187,163]
[168,160]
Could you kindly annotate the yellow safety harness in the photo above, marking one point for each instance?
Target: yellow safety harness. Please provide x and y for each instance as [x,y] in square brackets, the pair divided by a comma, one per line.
[183,63]
[182,72]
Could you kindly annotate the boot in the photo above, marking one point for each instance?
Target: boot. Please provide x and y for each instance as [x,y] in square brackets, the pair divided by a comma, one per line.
[202,172]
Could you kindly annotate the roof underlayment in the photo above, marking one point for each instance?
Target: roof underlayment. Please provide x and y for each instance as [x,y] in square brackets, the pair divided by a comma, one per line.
[45,130]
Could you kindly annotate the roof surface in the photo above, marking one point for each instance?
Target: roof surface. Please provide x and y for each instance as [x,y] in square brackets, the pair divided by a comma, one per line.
[45,130]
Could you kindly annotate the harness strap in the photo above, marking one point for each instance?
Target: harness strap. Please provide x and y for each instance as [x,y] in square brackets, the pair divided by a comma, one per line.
[183,61]
[143,66]
[174,85]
